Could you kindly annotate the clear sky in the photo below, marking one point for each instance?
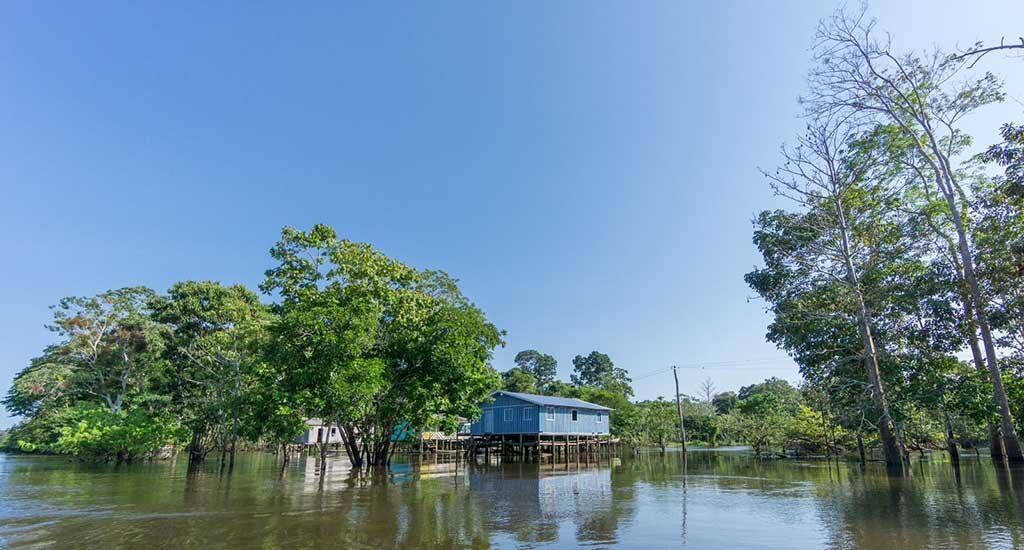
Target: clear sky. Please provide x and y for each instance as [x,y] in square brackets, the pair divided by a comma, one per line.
[587,169]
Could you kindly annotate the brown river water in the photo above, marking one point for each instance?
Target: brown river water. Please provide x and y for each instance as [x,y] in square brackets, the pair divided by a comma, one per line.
[715,500]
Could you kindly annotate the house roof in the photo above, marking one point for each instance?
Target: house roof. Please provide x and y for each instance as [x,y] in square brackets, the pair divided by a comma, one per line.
[549,401]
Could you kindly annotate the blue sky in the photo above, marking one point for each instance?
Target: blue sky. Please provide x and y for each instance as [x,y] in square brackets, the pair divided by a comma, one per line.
[587,169]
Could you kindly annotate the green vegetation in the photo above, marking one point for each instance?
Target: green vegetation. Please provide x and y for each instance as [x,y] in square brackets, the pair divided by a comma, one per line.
[901,252]
[355,338]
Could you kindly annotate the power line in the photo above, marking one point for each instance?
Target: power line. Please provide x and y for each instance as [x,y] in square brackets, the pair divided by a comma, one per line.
[764,363]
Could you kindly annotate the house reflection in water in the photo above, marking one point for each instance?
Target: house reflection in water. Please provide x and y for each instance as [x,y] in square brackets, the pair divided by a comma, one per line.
[541,503]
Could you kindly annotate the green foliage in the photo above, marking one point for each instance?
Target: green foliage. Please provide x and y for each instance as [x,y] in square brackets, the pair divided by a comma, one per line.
[725,402]
[88,429]
[518,380]
[215,338]
[772,396]
[543,367]
[367,343]
[597,370]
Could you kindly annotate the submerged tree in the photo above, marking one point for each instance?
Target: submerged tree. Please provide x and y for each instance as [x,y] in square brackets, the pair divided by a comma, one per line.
[846,233]
[368,344]
[925,98]
[215,337]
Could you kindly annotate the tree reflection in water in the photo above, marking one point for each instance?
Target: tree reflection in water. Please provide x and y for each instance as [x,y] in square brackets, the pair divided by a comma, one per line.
[713,499]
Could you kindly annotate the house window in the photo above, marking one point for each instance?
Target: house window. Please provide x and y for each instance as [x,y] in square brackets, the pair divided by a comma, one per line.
[575,415]
[527,413]
[600,418]
[551,413]
[508,414]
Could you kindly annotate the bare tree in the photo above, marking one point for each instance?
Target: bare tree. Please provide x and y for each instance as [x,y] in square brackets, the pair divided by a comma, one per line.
[924,97]
[707,391]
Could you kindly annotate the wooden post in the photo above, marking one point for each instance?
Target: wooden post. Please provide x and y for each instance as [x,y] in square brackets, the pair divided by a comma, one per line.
[679,409]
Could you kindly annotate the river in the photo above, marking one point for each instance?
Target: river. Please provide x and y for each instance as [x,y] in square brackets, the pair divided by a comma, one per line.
[719,499]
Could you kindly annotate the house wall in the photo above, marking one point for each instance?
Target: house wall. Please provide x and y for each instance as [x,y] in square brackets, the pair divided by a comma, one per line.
[522,417]
[588,421]
[310,437]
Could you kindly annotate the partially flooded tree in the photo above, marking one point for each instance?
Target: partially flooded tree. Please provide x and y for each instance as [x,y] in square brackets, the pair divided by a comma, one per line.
[925,98]
[845,232]
[368,344]
[214,343]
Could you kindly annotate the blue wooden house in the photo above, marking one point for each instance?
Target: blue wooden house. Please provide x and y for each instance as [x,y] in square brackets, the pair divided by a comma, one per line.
[528,414]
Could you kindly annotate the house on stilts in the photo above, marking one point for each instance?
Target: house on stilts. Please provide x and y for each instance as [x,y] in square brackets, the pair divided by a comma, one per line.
[527,424]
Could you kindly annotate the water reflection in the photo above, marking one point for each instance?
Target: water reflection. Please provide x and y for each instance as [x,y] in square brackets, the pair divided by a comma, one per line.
[713,499]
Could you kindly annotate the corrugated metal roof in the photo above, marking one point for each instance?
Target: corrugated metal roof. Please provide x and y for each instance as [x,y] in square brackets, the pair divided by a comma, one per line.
[547,400]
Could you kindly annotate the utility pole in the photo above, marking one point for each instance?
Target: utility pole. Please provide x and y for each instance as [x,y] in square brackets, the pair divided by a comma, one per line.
[679,409]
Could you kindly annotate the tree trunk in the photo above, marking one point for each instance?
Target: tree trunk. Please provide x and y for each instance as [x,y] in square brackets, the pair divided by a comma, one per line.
[954,454]
[995,443]
[1011,443]
[860,448]
[886,430]
[996,450]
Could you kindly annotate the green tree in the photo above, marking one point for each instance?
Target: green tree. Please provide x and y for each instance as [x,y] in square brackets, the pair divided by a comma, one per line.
[110,345]
[725,402]
[98,391]
[215,333]
[925,98]
[542,366]
[848,233]
[781,393]
[597,370]
[367,343]
[518,380]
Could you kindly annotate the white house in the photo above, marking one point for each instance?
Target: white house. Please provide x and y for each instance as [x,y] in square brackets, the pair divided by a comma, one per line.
[317,431]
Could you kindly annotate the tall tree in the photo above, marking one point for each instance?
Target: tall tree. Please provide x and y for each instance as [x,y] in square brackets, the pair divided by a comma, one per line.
[518,380]
[847,232]
[367,343]
[597,370]
[215,334]
[109,343]
[542,366]
[925,98]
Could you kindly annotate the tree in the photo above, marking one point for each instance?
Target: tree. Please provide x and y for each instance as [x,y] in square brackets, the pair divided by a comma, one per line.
[43,386]
[781,393]
[724,402]
[367,343]
[215,337]
[707,391]
[597,370]
[110,345]
[659,423]
[925,98]
[543,367]
[98,390]
[518,380]
[849,232]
